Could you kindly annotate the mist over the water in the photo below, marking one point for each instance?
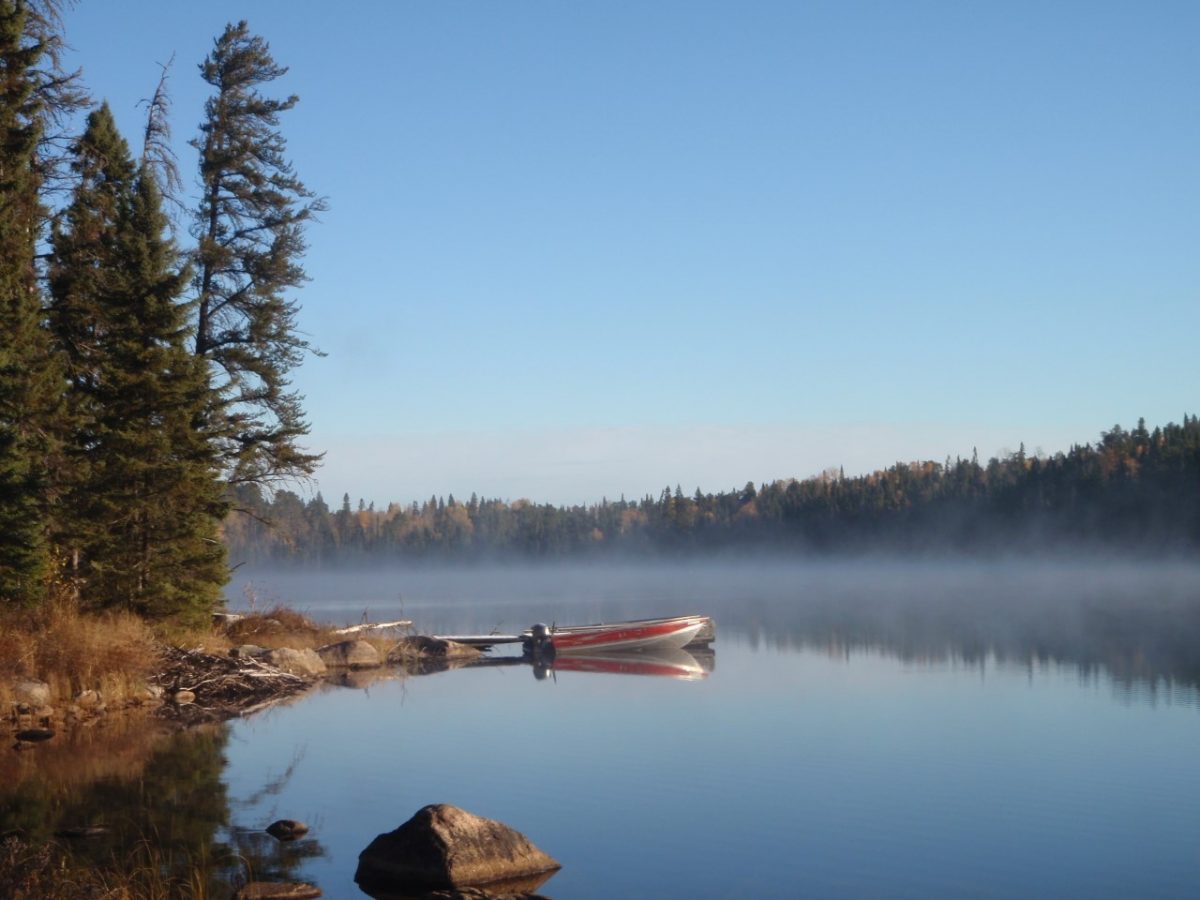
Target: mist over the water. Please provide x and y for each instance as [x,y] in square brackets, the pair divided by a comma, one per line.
[1137,621]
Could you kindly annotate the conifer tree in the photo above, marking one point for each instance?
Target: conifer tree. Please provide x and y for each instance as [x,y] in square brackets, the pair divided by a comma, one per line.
[29,376]
[81,277]
[145,493]
[250,235]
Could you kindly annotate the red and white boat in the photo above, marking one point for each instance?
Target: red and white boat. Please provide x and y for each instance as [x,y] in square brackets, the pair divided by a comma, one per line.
[642,634]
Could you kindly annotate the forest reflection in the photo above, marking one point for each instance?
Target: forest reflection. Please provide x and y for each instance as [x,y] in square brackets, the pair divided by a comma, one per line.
[131,783]
[1148,646]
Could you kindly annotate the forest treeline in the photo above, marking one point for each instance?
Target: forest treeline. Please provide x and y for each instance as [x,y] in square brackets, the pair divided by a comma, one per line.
[1134,489]
[144,357]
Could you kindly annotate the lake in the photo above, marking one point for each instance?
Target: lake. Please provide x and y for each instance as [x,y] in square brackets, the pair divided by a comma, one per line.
[866,729]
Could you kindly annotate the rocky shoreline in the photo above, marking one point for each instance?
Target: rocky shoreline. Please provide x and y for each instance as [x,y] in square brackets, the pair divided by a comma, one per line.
[442,852]
[194,686]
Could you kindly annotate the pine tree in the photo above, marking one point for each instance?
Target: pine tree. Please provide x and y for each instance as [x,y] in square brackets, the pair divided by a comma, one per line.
[29,376]
[81,277]
[146,493]
[250,232]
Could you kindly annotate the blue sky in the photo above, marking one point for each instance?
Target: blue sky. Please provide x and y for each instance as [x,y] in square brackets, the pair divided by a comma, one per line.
[582,249]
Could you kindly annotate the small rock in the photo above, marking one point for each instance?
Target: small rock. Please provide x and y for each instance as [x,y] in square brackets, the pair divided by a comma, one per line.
[182,697]
[297,662]
[87,699]
[35,735]
[266,890]
[443,846]
[287,829]
[151,693]
[253,651]
[32,693]
[350,655]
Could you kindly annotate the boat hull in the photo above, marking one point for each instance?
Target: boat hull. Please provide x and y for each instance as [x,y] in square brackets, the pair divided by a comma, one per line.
[653,634]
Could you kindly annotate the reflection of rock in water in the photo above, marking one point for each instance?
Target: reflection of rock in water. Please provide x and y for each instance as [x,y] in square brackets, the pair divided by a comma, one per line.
[272,860]
[424,655]
[362,679]
[278,890]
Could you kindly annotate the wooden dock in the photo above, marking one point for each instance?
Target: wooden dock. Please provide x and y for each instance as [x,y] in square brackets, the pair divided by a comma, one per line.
[481,641]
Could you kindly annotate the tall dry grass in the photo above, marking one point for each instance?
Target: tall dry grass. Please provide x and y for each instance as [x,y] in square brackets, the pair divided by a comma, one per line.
[280,626]
[73,650]
[114,652]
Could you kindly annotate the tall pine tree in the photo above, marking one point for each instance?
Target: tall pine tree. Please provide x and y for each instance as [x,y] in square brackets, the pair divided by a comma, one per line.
[250,233]
[81,277]
[30,380]
[146,494]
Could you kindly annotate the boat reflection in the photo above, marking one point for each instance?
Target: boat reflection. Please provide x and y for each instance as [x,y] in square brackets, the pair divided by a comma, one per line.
[678,664]
[683,665]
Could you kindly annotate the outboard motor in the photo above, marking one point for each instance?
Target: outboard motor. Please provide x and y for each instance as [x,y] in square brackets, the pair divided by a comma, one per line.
[540,645]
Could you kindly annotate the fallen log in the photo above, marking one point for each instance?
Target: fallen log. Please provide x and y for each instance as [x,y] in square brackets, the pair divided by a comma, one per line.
[374,626]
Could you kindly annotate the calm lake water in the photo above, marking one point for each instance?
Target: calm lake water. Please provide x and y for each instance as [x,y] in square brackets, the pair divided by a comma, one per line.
[867,730]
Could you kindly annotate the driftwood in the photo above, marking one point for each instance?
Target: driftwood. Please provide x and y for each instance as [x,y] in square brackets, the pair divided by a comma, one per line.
[223,686]
[374,626]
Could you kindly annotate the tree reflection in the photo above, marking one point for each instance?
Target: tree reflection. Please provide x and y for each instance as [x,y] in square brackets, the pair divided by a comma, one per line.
[1147,641]
[144,797]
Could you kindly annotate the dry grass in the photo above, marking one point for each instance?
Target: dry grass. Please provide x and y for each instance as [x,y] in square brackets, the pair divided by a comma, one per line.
[280,627]
[115,652]
[74,651]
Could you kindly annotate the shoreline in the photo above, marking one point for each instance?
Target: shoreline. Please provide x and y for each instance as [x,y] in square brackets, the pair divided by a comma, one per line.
[199,686]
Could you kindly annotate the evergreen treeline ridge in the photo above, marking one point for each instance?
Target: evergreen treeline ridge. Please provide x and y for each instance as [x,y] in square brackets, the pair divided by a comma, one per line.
[1136,489]
[140,378]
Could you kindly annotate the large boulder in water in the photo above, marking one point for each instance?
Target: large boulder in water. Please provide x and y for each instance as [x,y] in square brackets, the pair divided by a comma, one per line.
[298,662]
[443,846]
[350,655]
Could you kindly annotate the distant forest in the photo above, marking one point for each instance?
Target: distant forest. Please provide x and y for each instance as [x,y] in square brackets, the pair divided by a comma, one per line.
[1133,489]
